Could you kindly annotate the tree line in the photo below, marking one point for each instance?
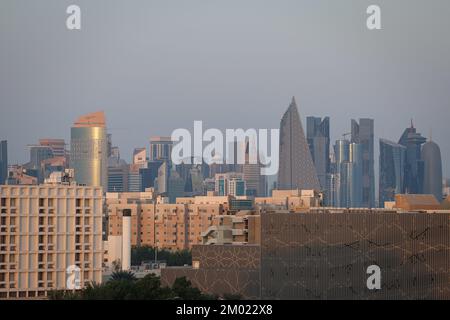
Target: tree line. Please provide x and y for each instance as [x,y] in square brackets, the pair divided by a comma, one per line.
[123,285]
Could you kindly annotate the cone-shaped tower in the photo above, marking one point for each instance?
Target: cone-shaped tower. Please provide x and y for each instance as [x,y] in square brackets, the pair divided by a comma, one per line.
[297,170]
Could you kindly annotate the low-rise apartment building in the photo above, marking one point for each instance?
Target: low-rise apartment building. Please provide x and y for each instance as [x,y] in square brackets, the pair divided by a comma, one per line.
[48,234]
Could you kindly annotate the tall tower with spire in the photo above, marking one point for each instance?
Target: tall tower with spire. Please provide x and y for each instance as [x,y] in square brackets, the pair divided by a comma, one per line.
[296,170]
[414,166]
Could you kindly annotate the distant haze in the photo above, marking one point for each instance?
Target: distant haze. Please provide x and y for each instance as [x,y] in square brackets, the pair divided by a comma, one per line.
[154,66]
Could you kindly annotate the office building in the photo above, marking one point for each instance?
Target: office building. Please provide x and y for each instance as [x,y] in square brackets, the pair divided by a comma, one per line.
[134,178]
[230,183]
[432,177]
[318,136]
[414,166]
[48,232]
[118,174]
[3,161]
[58,146]
[363,133]
[297,170]
[140,157]
[160,148]
[88,150]
[38,154]
[349,174]
[392,170]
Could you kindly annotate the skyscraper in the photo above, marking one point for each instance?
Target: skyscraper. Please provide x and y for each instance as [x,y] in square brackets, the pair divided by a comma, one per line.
[117,175]
[318,136]
[254,181]
[412,140]
[296,169]
[140,157]
[348,178]
[160,148]
[392,170]
[432,182]
[363,134]
[3,161]
[58,146]
[89,150]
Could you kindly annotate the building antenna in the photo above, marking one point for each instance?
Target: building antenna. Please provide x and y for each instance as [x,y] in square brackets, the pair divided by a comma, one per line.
[412,124]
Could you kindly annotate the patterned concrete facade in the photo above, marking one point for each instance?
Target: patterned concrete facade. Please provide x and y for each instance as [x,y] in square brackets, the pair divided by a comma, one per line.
[221,269]
[326,255]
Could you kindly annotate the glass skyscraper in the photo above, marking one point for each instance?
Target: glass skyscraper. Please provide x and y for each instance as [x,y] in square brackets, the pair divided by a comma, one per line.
[318,136]
[348,187]
[414,168]
[392,170]
[297,170]
[363,133]
[3,161]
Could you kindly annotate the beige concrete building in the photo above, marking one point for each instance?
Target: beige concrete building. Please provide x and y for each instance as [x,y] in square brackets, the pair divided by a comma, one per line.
[49,235]
[241,228]
[292,200]
[195,220]
[163,225]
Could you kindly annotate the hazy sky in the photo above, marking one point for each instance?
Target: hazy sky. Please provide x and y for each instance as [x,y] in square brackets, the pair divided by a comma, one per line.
[154,66]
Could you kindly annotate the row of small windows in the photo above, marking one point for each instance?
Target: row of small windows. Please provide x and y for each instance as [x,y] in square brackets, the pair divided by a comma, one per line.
[43,202]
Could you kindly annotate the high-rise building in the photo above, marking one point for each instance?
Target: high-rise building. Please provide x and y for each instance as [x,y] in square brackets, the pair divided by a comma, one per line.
[363,133]
[349,175]
[49,233]
[38,154]
[432,182]
[134,178]
[318,136]
[160,148]
[230,183]
[414,168]
[296,170]
[89,150]
[392,170]
[117,175]
[140,157]
[3,161]
[58,146]
[254,181]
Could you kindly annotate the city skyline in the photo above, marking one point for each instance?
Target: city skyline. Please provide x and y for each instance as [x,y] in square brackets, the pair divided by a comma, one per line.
[367,75]
[217,151]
